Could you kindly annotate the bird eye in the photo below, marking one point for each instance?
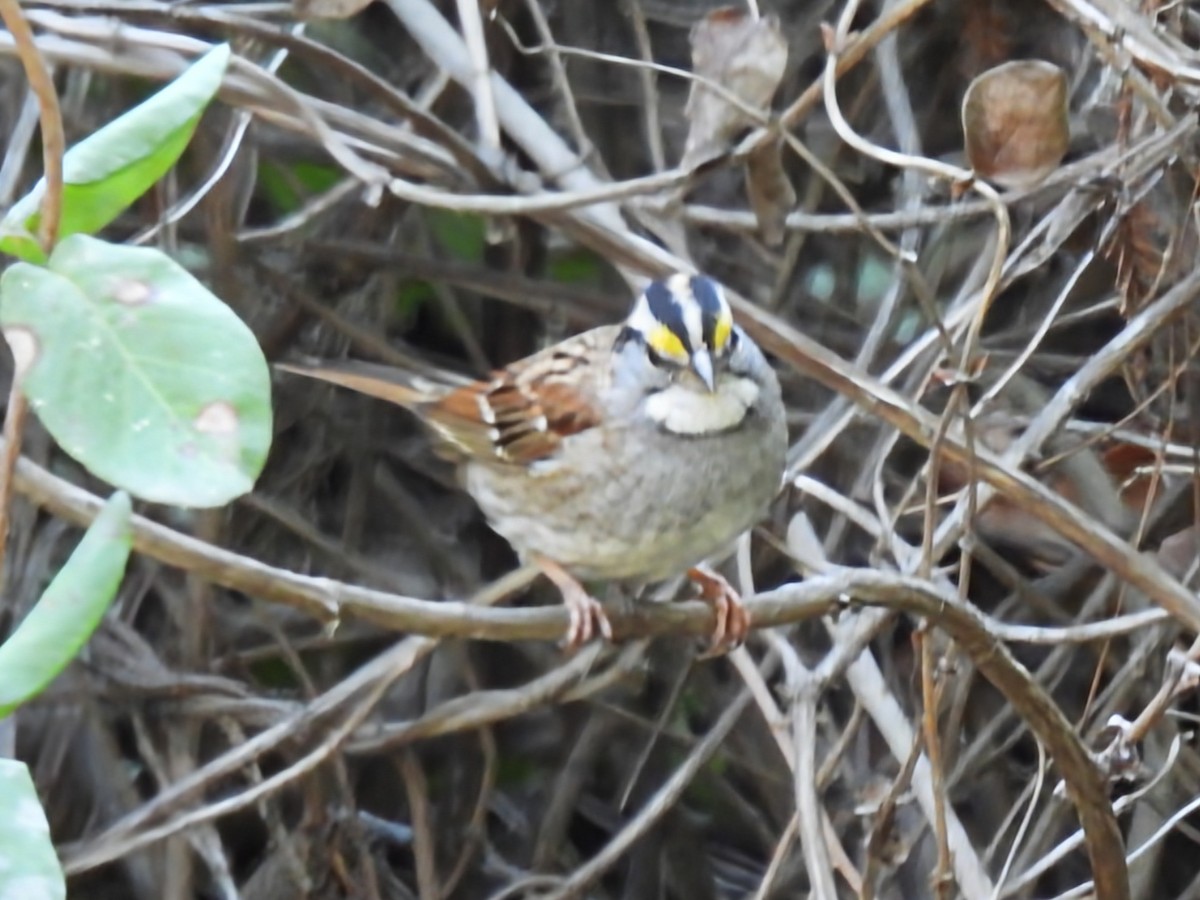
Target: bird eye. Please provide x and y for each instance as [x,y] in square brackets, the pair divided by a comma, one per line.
[654,353]
[662,362]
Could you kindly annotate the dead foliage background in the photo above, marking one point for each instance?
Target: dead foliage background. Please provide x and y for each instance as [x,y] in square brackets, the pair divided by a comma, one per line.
[974,571]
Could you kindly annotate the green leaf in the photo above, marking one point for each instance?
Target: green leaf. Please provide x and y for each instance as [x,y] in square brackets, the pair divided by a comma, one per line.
[286,187]
[317,177]
[461,235]
[69,611]
[106,171]
[29,867]
[411,296]
[575,266]
[276,185]
[17,241]
[140,373]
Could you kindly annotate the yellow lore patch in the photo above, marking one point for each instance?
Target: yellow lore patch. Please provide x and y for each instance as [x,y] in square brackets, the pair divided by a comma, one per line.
[721,332]
[667,344]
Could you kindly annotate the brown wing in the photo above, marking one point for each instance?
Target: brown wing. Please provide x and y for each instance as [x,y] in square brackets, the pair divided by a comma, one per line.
[524,413]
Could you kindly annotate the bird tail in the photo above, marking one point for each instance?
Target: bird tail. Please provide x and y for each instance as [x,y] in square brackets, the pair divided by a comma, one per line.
[383,382]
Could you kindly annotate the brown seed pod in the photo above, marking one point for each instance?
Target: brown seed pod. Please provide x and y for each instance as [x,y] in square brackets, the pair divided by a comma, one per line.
[1015,122]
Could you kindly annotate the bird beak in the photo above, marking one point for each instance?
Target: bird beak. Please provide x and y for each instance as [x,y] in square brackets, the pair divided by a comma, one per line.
[702,365]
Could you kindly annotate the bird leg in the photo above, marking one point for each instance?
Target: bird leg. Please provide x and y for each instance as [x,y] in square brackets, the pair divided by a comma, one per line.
[733,619]
[587,615]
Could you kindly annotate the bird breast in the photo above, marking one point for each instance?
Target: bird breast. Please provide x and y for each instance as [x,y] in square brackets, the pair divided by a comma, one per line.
[635,501]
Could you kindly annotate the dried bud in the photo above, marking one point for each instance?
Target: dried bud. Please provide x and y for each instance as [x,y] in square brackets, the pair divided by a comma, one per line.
[1015,122]
[744,55]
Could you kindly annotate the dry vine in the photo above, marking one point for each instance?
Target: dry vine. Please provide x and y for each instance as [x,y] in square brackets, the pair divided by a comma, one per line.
[970,585]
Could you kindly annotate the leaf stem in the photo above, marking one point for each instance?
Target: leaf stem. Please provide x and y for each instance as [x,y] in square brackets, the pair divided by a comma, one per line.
[53,148]
[53,137]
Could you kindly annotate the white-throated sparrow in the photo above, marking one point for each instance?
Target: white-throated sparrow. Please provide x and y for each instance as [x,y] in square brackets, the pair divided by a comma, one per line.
[629,453]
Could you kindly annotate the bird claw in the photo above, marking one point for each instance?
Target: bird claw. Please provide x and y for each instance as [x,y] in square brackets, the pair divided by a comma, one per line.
[587,615]
[733,619]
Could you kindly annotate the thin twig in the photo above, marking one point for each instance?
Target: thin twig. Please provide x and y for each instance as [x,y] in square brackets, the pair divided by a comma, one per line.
[930,695]
[806,691]
[558,74]
[133,832]
[923,164]
[810,357]
[1034,794]
[663,800]
[20,138]
[54,141]
[480,81]
[50,207]
[416,789]
[648,80]
[902,739]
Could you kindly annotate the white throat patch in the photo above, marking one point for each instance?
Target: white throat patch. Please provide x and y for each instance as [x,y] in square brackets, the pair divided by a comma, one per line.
[683,410]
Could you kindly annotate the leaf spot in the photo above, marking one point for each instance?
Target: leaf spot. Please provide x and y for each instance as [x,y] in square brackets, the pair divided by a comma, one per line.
[91,344]
[24,346]
[218,419]
[131,292]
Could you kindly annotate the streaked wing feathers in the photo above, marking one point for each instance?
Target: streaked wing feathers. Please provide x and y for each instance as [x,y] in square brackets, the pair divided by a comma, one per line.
[519,416]
[523,414]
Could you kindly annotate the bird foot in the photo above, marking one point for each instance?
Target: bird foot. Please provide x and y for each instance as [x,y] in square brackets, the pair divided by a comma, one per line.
[733,619]
[586,612]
